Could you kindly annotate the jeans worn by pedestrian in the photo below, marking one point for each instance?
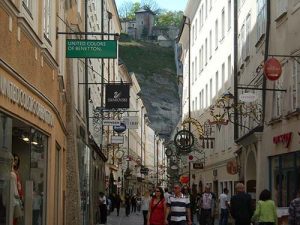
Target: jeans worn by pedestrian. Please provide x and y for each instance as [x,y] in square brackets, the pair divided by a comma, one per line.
[205,217]
[178,223]
[224,217]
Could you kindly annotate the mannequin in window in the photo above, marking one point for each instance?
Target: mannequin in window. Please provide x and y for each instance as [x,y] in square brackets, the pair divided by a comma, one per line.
[17,190]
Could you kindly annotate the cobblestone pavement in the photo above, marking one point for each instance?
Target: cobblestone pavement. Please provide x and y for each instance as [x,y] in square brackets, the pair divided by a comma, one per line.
[133,218]
[122,219]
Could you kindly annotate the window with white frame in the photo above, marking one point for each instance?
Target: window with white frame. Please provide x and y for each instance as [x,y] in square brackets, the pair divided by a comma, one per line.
[47,17]
[205,51]
[196,25]
[248,31]
[223,24]
[210,5]
[216,34]
[200,100]
[295,88]
[210,89]
[229,15]
[206,96]
[193,35]
[200,61]
[261,18]
[193,72]
[206,9]
[202,56]
[223,75]
[200,19]
[217,82]
[196,103]
[281,7]
[210,43]
[28,4]
[193,106]
[277,98]
[229,67]
[202,15]
[243,41]
[196,75]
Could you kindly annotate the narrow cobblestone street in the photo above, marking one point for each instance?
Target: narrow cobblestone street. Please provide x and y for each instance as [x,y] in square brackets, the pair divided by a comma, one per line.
[132,219]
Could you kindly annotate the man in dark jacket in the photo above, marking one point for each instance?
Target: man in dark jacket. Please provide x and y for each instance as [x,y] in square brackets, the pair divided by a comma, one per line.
[241,206]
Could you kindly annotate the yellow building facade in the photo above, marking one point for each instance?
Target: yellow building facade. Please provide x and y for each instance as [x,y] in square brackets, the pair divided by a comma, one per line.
[32,115]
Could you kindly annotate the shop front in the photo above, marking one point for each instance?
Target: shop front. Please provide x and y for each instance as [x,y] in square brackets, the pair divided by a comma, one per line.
[24,153]
[31,156]
[285,177]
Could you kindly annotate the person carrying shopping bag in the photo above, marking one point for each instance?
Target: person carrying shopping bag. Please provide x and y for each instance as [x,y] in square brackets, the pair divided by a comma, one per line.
[265,212]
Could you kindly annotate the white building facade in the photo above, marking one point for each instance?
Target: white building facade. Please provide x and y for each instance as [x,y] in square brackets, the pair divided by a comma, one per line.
[209,31]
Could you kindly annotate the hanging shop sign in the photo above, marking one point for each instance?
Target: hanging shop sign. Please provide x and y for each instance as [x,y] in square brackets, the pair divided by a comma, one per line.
[131,122]
[248,97]
[184,141]
[116,96]
[117,139]
[18,96]
[284,139]
[119,128]
[111,122]
[198,166]
[272,69]
[91,48]
[232,167]
[184,179]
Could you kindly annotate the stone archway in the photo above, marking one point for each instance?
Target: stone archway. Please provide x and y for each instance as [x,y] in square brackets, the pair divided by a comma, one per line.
[250,173]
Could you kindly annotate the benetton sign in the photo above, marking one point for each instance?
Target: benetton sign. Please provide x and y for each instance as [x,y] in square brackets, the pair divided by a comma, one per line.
[25,101]
[91,48]
[116,96]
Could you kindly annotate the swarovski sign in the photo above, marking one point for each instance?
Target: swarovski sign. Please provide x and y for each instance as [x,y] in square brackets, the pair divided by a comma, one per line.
[25,101]
[117,96]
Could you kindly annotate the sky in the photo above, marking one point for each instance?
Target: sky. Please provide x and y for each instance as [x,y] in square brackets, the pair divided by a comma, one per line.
[171,5]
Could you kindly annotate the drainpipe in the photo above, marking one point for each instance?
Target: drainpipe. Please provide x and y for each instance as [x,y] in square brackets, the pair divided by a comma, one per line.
[267,42]
[235,69]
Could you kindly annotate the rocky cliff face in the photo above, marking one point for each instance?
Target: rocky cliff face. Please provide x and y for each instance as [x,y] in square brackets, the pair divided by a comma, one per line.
[160,96]
[154,67]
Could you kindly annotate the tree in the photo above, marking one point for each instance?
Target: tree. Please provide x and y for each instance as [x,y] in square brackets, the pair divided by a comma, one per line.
[127,10]
[167,18]
[150,5]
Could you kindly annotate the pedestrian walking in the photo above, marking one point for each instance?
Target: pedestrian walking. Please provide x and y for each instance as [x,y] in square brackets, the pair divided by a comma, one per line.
[103,208]
[157,207]
[127,204]
[178,206]
[133,203]
[207,206]
[223,199]
[118,202]
[294,211]
[241,206]
[265,212]
[145,206]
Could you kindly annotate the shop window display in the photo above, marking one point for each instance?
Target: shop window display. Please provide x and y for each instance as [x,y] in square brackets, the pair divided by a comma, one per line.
[23,155]
[285,177]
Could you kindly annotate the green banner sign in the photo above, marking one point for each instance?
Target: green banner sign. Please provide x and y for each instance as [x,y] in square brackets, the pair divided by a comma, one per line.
[91,48]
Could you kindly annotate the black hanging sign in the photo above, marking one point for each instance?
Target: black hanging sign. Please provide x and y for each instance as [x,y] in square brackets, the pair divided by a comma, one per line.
[116,96]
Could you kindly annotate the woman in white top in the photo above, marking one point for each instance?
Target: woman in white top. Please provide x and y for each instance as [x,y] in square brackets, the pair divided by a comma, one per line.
[145,205]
